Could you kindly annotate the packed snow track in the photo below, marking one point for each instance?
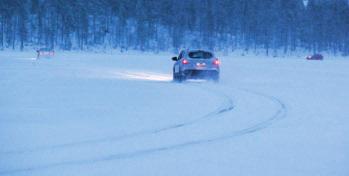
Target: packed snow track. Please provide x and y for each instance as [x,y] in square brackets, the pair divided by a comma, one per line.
[99,117]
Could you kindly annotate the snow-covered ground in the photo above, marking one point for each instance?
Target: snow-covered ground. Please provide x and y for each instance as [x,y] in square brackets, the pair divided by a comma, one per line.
[120,114]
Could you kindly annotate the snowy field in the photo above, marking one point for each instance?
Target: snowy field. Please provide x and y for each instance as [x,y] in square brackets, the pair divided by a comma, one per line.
[120,114]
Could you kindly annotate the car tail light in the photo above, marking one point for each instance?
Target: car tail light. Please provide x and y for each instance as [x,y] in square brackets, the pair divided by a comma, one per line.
[185,61]
[216,62]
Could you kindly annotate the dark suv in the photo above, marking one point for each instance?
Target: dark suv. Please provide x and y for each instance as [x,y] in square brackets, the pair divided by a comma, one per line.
[195,64]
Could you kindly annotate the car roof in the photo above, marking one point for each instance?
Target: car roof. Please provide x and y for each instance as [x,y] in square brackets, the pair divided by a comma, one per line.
[194,50]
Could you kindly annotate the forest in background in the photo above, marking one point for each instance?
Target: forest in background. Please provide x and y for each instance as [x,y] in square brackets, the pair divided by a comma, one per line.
[283,26]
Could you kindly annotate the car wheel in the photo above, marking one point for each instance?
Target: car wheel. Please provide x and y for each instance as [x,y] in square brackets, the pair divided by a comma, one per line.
[182,77]
[177,77]
[215,77]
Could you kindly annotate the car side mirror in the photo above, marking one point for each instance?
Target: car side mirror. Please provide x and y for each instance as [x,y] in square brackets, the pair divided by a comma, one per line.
[175,58]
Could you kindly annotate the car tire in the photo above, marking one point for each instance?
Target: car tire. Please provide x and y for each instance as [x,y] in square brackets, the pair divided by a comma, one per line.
[215,77]
[178,77]
[175,78]
[182,78]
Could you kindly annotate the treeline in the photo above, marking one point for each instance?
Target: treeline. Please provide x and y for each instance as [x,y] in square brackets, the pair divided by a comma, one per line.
[157,25]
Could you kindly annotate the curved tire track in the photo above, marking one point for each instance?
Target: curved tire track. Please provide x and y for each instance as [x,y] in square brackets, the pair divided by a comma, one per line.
[279,114]
[226,106]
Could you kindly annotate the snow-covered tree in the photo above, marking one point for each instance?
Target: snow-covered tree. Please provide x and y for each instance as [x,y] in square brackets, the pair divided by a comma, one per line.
[273,25]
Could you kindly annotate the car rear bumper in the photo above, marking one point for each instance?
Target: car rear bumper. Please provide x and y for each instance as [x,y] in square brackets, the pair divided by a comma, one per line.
[201,74]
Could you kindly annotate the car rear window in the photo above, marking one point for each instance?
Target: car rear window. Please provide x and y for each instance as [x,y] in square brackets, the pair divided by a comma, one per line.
[200,55]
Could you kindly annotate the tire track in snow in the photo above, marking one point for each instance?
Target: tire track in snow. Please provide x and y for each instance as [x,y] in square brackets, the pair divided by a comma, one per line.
[227,105]
[278,115]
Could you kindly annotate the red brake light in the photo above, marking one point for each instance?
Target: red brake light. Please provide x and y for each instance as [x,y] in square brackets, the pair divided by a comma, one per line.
[216,62]
[185,61]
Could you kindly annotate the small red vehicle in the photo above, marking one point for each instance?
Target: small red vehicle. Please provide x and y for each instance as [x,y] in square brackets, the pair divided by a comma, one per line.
[315,57]
[45,53]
